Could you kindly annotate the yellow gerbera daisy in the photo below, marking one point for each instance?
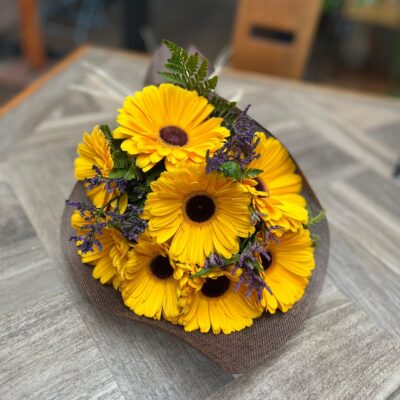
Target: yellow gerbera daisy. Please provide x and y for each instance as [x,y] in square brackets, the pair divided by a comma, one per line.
[109,261]
[211,302]
[168,122]
[150,288]
[201,213]
[276,190]
[288,270]
[94,150]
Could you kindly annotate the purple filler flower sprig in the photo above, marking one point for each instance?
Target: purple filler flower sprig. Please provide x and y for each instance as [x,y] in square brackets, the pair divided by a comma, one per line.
[247,260]
[129,224]
[239,149]
[110,183]
[87,241]
[251,269]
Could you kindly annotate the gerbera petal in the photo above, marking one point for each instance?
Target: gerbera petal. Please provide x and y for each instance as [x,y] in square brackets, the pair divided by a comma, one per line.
[202,223]
[94,151]
[150,288]
[145,116]
[289,272]
[279,201]
[110,262]
[227,311]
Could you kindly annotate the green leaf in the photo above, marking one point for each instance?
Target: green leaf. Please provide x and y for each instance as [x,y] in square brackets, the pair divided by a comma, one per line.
[313,220]
[202,71]
[202,272]
[231,169]
[121,163]
[125,168]
[191,64]
[251,173]
[117,173]
[155,172]
[224,109]
[133,172]
[187,70]
[190,72]
[106,131]
[258,266]
[173,78]
[315,238]
[212,83]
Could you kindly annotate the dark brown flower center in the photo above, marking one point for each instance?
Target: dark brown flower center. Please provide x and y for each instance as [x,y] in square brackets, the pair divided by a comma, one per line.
[173,135]
[161,267]
[215,287]
[200,208]
[266,262]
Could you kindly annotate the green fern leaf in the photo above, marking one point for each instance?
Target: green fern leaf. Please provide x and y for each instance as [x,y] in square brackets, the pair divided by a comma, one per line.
[173,78]
[190,72]
[192,63]
[202,71]
[187,70]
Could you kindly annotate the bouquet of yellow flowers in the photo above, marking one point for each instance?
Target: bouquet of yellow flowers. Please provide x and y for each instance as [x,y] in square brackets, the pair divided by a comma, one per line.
[195,216]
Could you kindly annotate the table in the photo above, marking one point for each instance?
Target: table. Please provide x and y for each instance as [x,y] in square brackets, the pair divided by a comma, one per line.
[55,344]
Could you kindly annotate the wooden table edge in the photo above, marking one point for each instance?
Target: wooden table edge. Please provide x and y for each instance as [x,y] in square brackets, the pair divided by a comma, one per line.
[38,83]
[59,67]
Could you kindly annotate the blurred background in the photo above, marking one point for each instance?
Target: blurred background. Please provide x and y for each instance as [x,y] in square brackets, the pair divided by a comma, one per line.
[351,44]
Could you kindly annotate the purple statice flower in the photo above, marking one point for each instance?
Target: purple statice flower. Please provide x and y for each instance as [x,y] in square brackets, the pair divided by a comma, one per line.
[129,223]
[86,211]
[253,282]
[250,276]
[255,218]
[90,231]
[214,261]
[211,262]
[110,183]
[250,266]
[88,240]
[86,243]
[268,236]
[246,261]
[240,147]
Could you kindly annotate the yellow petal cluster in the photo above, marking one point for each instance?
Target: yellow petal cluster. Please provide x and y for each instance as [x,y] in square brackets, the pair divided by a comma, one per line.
[158,286]
[94,151]
[212,303]
[288,270]
[168,123]
[150,288]
[198,213]
[276,191]
[192,215]
[110,260]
